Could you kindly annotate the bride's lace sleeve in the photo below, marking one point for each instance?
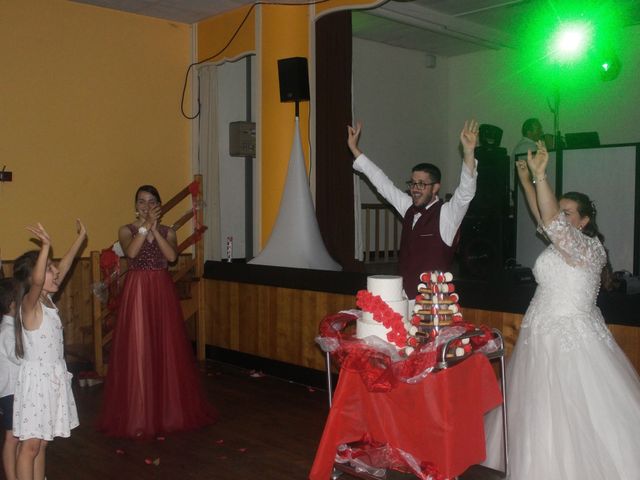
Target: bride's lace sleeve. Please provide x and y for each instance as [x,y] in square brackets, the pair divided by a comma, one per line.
[577,249]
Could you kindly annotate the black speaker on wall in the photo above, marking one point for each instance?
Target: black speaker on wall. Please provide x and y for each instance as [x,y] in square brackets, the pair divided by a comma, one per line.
[293,76]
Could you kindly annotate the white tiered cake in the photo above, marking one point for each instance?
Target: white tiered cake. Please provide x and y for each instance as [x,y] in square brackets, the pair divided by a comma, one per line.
[389,289]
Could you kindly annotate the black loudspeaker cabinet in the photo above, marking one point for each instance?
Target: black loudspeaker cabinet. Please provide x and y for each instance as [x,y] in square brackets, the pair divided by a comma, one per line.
[492,191]
[293,76]
[487,233]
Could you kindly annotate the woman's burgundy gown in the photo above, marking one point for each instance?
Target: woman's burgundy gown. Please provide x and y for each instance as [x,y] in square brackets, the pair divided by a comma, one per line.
[152,385]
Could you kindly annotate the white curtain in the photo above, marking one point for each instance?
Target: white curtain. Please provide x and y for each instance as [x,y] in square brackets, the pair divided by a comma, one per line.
[358,247]
[208,160]
[357,218]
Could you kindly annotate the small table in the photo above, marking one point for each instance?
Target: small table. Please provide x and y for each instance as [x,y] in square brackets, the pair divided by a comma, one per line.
[437,420]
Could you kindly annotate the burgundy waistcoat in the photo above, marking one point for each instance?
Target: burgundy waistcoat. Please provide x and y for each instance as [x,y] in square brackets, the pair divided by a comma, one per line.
[422,247]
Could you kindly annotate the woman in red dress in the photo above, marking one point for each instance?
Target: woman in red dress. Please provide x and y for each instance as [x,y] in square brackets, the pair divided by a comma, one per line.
[152,385]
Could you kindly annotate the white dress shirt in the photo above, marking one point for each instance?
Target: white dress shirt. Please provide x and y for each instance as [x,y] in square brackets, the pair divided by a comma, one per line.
[452,211]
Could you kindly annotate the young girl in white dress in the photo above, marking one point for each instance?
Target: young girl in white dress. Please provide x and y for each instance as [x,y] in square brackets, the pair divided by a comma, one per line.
[573,396]
[44,407]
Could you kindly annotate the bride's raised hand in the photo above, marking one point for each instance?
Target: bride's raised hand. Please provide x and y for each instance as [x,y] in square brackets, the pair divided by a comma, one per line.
[538,161]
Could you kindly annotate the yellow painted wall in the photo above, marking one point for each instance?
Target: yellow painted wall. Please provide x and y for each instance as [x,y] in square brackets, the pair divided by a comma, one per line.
[214,35]
[273,32]
[284,34]
[90,110]
[285,31]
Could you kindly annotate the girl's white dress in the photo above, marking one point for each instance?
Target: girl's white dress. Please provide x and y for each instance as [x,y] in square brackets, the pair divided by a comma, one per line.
[43,402]
[573,397]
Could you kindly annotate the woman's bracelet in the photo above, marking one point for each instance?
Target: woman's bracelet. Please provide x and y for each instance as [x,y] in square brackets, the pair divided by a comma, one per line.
[539,179]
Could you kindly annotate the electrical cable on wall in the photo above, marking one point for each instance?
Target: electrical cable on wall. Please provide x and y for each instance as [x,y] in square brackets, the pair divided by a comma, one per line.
[233,36]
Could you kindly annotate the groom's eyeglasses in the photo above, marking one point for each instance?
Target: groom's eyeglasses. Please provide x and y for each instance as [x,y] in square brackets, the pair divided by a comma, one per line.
[419,185]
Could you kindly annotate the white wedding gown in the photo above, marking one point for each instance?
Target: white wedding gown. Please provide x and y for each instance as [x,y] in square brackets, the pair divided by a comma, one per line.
[573,397]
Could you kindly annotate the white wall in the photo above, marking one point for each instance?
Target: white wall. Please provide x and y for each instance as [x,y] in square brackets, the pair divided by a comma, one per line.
[505,90]
[403,106]
[232,108]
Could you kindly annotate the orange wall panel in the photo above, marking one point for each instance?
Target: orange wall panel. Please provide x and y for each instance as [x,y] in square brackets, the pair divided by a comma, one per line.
[284,34]
[90,111]
[216,32]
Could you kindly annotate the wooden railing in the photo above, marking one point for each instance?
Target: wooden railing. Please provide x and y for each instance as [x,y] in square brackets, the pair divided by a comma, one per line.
[381,227]
[186,273]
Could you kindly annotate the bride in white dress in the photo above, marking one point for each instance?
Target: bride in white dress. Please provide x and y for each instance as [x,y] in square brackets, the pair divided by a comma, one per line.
[573,397]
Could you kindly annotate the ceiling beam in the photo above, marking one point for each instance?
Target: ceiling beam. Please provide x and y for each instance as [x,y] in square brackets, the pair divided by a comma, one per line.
[427,19]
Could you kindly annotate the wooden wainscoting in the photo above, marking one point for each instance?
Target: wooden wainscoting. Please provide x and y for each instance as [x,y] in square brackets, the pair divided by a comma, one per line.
[76,313]
[270,322]
[507,323]
[281,323]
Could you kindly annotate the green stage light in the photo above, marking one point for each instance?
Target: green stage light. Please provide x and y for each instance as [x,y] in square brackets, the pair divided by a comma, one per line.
[541,65]
[571,42]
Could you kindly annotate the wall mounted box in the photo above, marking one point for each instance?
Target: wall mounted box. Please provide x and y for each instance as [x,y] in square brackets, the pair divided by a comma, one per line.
[242,139]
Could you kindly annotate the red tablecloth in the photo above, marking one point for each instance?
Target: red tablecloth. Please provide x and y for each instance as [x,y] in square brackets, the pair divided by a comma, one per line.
[438,420]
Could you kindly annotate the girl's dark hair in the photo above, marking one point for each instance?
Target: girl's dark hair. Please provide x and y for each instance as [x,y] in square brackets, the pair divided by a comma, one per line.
[22,271]
[7,294]
[149,189]
[586,208]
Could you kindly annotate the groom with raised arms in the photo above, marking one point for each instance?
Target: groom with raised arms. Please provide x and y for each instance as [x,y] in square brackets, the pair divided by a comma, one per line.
[430,227]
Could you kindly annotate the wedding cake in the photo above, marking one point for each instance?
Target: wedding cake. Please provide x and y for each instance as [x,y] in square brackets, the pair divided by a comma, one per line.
[437,308]
[437,303]
[433,323]
[385,310]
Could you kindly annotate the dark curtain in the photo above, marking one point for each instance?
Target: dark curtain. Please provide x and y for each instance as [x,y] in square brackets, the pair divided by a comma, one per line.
[334,176]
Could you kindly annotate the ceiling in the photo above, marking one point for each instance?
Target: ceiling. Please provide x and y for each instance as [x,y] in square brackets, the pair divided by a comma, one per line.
[438,27]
